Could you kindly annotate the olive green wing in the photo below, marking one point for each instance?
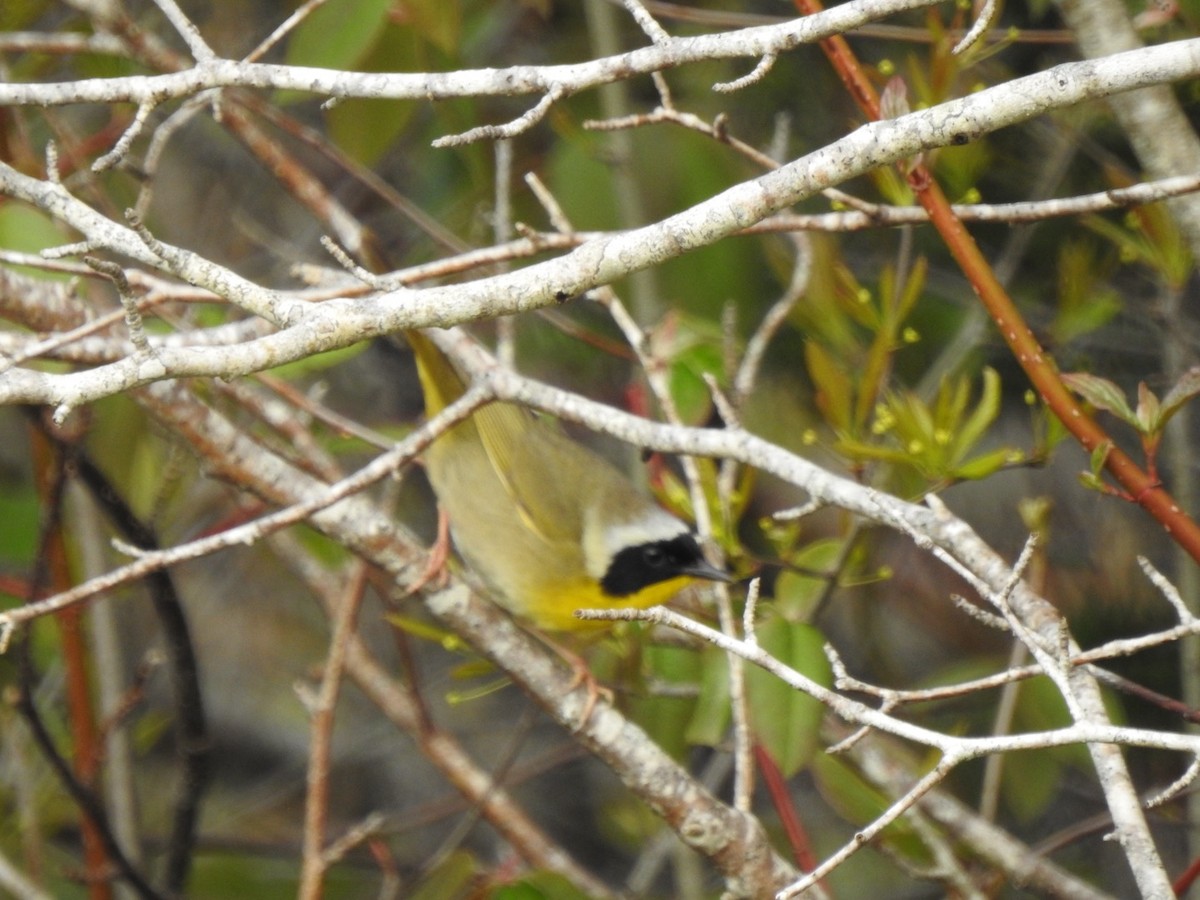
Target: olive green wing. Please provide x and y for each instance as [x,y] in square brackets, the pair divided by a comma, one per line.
[544,472]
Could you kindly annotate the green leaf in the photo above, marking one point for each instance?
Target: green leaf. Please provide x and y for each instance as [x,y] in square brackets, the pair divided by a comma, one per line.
[861,452]
[20,525]
[541,885]
[913,288]
[835,390]
[28,230]
[1148,235]
[437,21]
[710,717]
[339,34]
[1033,783]
[784,720]
[1085,299]
[1148,410]
[691,393]
[666,718]
[1187,387]
[425,631]
[319,362]
[1100,457]
[985,464]
[860,802]
[796,593]
[365,129]
[981,418]
[1102,394]
[453,877]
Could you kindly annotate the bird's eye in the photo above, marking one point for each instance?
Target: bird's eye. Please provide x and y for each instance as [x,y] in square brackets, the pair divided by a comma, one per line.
[654,556]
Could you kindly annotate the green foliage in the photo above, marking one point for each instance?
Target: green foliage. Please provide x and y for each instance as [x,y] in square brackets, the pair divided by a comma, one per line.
[854,335]
[878,310]
[1029,790]
[784,720]
[28,230]
[577,174]
[666,718]
[19,526]
[538,886]
[1151,414]
[454,876]
[802,585]
[318,362]
[939,439]
[132,454]
[223,875]
[673,493]
[1148,236]
[376,36]
[1148,418]
[709,723]
[1086,299]
[339,34]
[694,347]
[860,802]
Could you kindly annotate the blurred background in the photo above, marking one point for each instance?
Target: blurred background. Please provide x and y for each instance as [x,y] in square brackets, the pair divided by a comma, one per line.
[884,368]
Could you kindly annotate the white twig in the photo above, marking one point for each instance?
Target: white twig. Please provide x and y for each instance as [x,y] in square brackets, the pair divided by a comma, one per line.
[646,22]
[748,613]
[726,409]
[865,835]
[799,512]
[121,148]
[52,173]
[991,620]
[285,27]
[1168,590]
[195,269]
[187,30]
[984,20]
[346,262]
[158,144]
[873,215]
[250,532]
[502,231]
[597,262]
[758,73]
[18,883]
[554,212]
[958,747]
[777,315]
[510,129]
[65,250]
[512,81]
[133,315]
[1190,774]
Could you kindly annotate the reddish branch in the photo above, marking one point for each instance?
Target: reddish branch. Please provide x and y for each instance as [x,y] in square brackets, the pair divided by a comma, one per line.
[80,716]
[1137,485]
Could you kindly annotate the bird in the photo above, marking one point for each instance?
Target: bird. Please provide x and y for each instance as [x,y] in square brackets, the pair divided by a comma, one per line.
[547,524]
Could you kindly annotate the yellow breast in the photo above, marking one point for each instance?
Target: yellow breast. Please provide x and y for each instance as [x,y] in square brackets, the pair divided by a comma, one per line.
[554,610]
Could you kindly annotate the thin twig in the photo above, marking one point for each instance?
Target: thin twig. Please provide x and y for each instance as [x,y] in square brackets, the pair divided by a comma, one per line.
[315,862]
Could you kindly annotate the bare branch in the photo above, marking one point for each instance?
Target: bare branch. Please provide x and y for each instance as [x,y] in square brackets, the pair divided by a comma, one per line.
[511,129]
[757,74]
[338,324]
[514,81]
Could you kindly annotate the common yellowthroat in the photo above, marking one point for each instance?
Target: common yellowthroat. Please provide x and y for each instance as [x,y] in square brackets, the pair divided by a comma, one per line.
[548,525]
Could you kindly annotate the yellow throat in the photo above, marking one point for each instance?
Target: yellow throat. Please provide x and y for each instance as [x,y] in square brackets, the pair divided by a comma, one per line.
[547,524]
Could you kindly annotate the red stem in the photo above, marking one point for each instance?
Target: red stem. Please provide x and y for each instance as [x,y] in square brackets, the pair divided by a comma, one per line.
[1138,486]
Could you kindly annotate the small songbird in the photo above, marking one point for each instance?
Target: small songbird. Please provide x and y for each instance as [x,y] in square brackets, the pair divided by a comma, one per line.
[548,525]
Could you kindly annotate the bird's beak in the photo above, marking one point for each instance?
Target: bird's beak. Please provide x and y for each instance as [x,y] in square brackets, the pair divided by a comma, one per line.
[708,572]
